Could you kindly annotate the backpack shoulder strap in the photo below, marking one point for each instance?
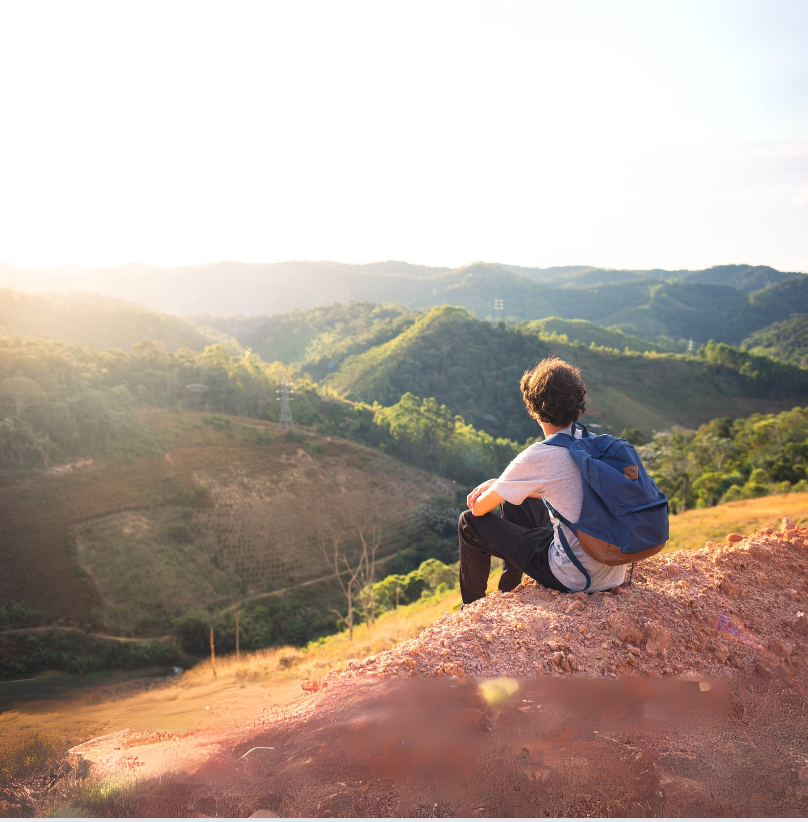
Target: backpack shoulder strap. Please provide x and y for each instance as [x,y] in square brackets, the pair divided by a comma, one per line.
[563,440]
[565,543]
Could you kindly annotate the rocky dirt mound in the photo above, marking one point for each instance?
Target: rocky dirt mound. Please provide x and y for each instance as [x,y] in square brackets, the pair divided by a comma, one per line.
[735,608]
[534,704]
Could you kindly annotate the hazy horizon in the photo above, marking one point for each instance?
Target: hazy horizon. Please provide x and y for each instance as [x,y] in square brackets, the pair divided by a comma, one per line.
[632,135]
[66,268]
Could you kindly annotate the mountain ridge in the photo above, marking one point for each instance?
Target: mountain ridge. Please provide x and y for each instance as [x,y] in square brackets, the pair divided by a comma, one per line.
[603,296]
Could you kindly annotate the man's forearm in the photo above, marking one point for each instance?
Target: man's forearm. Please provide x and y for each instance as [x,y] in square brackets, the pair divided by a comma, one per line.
[486,502]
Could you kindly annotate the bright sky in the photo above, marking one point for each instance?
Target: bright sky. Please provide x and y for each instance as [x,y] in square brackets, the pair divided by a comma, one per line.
[620,133]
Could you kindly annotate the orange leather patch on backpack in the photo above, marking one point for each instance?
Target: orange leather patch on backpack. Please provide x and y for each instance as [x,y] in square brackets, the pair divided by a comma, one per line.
[631,472]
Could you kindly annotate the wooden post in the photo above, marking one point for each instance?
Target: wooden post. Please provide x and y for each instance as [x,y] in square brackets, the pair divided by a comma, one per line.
[238,616]
[212,654]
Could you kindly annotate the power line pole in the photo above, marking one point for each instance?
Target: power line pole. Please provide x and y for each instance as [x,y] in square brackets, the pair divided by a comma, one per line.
[286,408]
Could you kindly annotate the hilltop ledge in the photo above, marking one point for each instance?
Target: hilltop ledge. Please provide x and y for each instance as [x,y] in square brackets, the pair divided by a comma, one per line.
[725,610]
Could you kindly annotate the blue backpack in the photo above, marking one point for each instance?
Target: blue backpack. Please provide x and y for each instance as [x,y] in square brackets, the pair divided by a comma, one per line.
[624,516]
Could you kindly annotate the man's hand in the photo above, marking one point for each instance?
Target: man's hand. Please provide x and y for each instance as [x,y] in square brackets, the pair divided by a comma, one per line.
[484,499]
[478,492]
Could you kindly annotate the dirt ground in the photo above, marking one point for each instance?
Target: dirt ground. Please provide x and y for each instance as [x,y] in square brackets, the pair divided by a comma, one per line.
[724,610]
[681,695]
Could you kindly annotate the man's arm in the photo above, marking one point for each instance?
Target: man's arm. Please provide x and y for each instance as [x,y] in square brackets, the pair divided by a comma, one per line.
[485,502]
[478,492]
[482,499]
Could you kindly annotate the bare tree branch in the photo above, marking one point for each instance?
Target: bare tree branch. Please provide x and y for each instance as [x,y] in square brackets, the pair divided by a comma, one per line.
[353,574]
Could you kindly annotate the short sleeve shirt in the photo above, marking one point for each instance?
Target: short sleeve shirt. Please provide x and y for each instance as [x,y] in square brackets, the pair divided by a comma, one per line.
[552,473]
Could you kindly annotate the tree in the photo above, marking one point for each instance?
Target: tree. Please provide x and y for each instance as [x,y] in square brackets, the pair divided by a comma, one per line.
[17,436]
[23,392]
[335,564]
[43,444]
[632,435]
[716,448]
[367,564]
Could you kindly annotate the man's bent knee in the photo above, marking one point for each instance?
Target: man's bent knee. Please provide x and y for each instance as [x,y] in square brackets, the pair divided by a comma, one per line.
[464,519]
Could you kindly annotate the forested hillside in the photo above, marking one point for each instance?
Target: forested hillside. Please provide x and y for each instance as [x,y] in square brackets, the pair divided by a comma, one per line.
[727,459]
[786,340]
[474,368]
[159,501]
[316,340]
[59,403]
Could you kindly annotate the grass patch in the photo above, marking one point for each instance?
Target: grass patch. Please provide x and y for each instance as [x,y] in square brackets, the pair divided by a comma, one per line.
[692,529]
[30,754]
[323,655]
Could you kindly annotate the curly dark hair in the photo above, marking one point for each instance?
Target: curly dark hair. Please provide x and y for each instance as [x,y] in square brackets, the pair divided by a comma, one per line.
[554,392]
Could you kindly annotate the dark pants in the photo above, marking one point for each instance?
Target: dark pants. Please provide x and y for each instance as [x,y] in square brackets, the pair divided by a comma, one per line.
[521,537]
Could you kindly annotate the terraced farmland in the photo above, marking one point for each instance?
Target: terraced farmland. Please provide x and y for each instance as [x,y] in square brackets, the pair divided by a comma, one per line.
[213,519]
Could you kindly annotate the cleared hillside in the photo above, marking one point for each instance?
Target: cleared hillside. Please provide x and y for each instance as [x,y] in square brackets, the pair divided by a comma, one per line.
[583,332]
[222,512]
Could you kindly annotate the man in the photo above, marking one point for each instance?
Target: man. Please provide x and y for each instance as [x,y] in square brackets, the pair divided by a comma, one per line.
[526,536]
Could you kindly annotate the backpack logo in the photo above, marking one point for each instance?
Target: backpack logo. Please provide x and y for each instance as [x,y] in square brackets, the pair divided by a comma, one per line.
[631,472]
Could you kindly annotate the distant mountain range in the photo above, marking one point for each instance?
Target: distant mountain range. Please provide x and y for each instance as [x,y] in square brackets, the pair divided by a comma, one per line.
[724,302]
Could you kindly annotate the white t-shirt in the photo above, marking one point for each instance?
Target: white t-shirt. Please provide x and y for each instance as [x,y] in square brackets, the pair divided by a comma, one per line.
[551,472]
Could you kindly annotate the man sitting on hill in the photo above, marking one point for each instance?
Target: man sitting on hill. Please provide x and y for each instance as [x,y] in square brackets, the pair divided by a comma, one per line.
[526,536]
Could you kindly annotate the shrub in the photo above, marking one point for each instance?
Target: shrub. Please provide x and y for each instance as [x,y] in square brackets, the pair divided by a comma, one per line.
[18,614]
[219,422]
[734,493]
[180,533]
[752,490]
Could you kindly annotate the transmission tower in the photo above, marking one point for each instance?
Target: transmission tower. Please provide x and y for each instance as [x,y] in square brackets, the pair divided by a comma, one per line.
[690,345]
[286,408]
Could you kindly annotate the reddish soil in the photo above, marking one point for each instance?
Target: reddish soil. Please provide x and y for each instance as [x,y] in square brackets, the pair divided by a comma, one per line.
[724,610]
[682,695]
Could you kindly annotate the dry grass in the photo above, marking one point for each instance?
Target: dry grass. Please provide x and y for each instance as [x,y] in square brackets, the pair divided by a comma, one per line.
[693,528]
[318,658]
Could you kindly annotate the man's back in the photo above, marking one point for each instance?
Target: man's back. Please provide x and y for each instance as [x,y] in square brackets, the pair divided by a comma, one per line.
[552,473]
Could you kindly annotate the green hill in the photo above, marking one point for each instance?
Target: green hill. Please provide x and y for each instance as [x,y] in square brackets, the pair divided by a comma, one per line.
[474,368]
[742,277]
[746,278]
[781,300]
[315,340]
[582,332]
[644,308]
[786,340]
